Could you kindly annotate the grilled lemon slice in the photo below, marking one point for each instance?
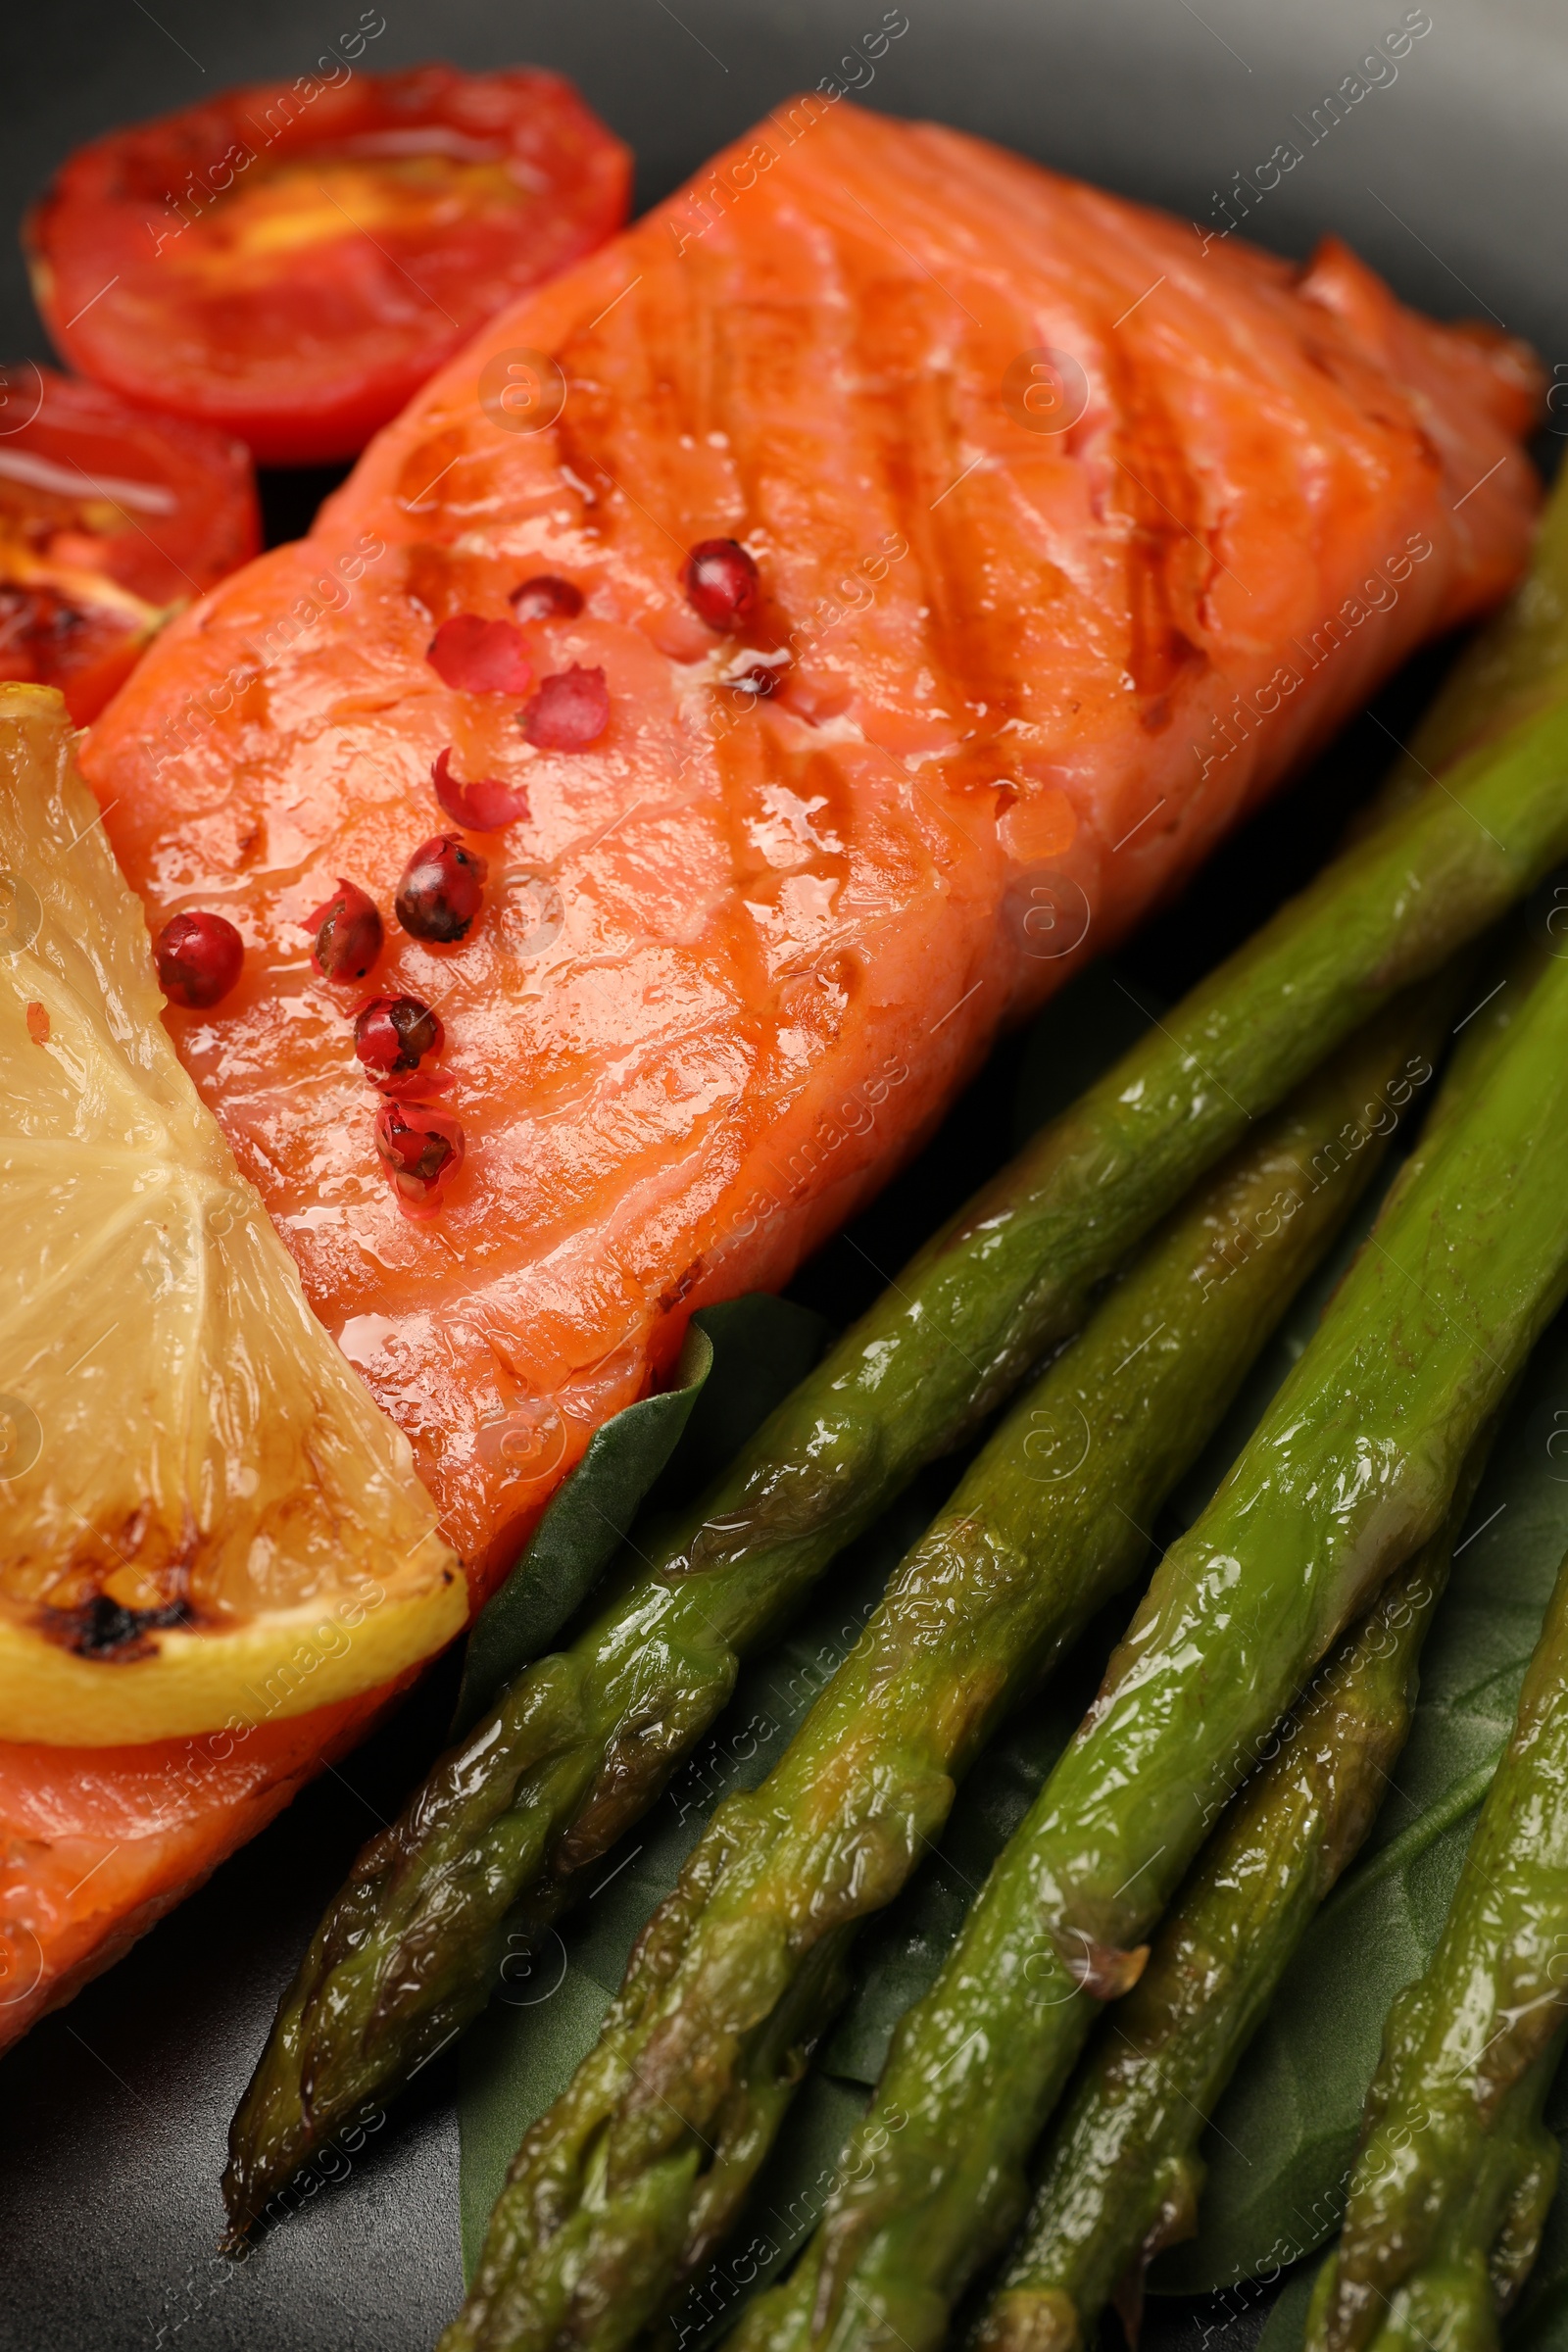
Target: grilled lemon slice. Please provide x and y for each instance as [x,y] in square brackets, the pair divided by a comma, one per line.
[205,1519]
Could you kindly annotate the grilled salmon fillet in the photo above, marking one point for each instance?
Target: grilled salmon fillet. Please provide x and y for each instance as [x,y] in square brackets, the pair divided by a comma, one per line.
[1072,537]
[97,1844]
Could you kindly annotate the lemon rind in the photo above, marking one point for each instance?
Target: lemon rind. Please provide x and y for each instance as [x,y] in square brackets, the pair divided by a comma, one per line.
[287,1663]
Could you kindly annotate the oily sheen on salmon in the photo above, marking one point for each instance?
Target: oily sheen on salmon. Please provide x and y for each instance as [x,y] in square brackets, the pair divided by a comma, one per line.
[1055,540]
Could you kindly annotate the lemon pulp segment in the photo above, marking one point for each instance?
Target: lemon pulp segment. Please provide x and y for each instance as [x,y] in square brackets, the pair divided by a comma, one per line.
[205,1520]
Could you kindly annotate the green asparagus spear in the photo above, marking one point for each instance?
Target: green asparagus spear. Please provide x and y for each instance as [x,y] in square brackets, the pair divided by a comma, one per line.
[583,1742]
[1455,2297]
[1121,2174]
[1351,1471]
[667,2121]
[1457,2170]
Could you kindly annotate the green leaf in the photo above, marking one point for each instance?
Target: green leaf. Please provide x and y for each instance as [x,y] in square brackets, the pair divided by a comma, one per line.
[762,1348]
[763,1345]
[514,2060]
[1285,2328]
[1282,2140]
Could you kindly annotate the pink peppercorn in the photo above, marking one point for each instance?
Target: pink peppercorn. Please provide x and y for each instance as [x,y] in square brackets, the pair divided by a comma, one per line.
[348,933]
[199,959]
[721,583]
[393,1035]
[441,889]
[421,1150]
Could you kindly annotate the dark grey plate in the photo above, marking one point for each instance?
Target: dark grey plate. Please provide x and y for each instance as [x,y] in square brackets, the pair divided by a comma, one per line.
[1451,178]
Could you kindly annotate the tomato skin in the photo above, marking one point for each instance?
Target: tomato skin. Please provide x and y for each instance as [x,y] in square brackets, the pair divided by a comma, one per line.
[112,518]
[324,330]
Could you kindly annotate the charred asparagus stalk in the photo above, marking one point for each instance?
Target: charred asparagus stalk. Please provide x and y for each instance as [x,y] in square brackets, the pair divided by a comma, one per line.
[1457,2169]
[583,1742]
[1352,1470]
[650,2151]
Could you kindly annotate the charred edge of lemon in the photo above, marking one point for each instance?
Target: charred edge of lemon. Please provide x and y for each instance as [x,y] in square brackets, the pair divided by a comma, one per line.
[287,1663]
